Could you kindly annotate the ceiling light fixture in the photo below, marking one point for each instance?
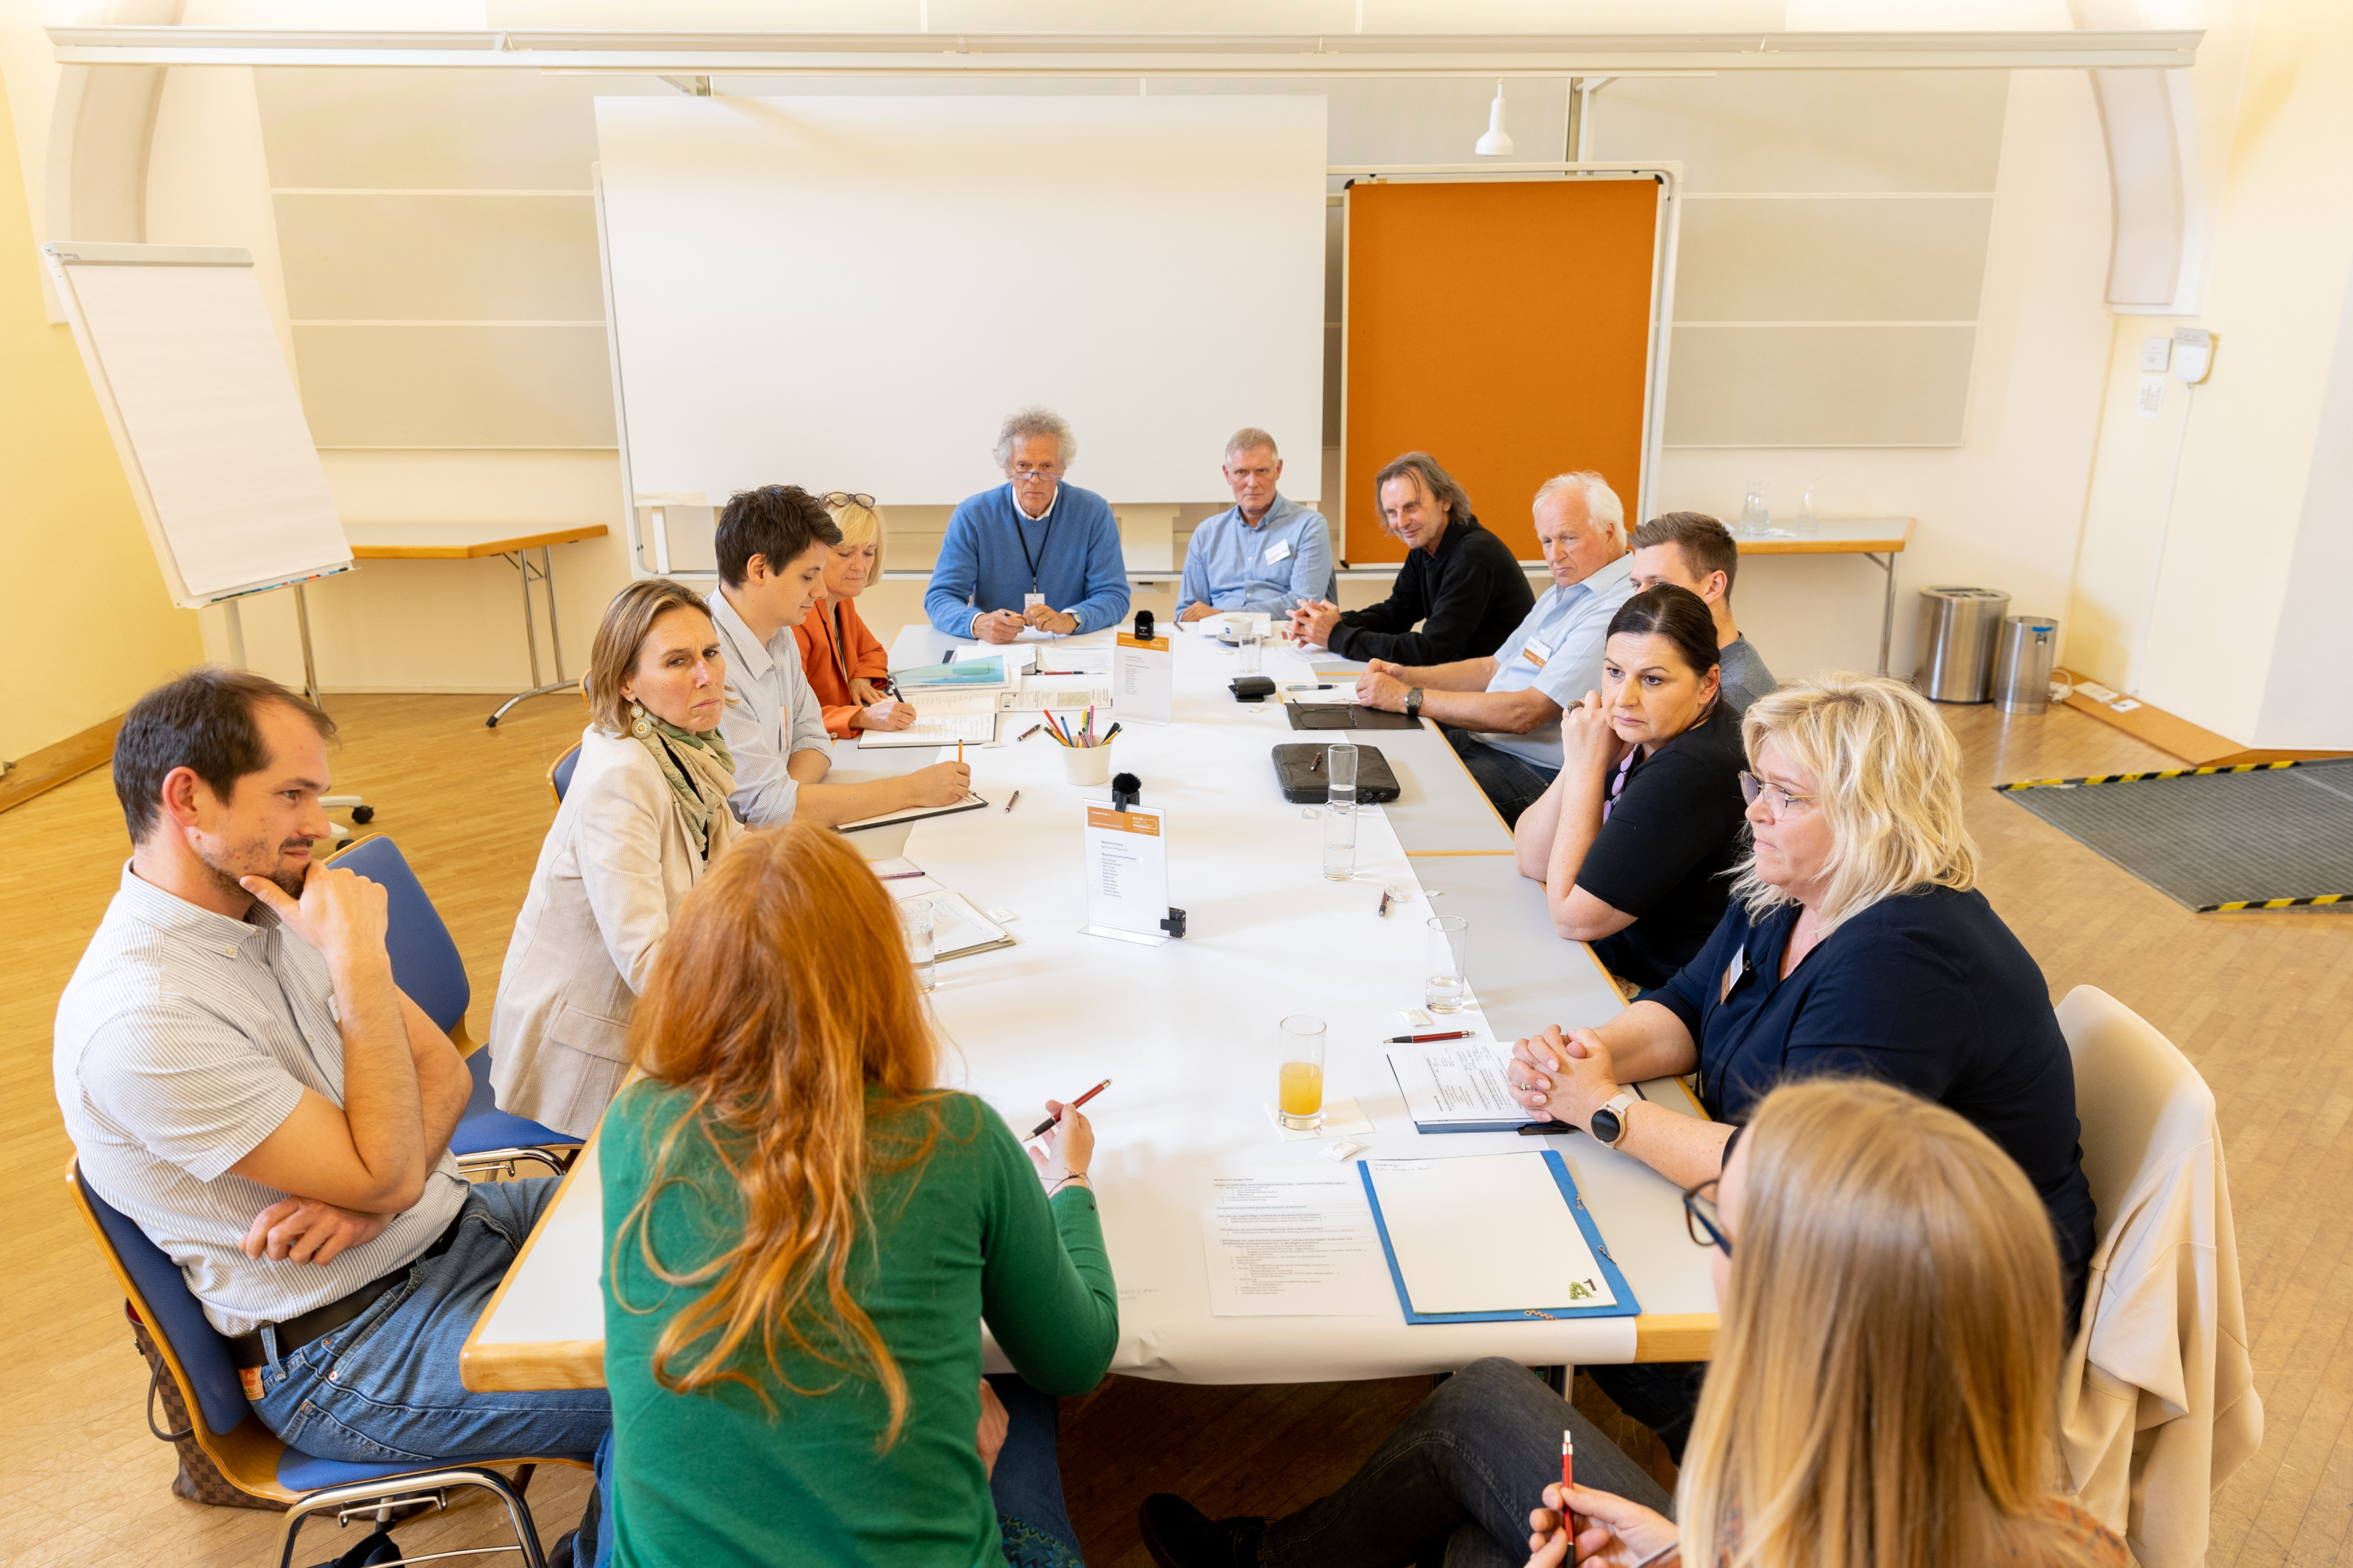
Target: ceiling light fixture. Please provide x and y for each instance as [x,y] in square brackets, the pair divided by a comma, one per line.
[1497,142]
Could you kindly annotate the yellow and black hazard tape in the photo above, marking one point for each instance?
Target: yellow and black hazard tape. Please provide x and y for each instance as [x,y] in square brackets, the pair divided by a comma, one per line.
[2275,903]
[2163,773]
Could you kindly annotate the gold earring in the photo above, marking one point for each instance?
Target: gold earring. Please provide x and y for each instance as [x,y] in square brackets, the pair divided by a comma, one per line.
[639,726]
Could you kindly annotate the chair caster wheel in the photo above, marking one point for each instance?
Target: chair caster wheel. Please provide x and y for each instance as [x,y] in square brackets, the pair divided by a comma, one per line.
[364,815]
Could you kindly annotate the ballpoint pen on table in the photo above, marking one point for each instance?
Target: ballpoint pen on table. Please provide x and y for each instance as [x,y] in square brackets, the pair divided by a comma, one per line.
[1418,1039]
[1010,799]
[1049,1124]
[1032,730]
[1317,765]
[1387,899]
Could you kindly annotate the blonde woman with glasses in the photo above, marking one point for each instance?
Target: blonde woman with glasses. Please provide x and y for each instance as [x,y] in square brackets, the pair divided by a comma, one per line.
[847,665]
[1856,941]
[1882,1396]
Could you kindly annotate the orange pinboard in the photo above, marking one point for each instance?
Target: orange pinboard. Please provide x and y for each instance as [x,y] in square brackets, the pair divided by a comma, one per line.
[1504,328]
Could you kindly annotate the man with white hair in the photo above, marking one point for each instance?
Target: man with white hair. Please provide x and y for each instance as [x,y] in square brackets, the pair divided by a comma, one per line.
[1502,714]
[1264,552]
[1035,553]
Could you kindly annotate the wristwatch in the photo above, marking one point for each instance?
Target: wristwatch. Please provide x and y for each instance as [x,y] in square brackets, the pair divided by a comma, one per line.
[1610,1122]
[1413,702]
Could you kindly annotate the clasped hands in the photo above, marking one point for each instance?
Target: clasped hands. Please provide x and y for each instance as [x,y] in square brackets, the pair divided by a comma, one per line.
[1005,626]
[1566,1075]
[1311,621]
[305,1230]
[1382,686]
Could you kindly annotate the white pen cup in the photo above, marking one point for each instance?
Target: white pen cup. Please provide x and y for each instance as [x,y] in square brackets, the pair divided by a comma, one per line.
[1087,764]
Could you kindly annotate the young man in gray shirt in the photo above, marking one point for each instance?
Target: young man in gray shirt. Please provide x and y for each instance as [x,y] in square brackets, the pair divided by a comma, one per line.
[241,1077]
[1694,551]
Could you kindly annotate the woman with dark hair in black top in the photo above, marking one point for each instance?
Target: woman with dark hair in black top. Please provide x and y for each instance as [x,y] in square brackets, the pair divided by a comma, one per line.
[1636,838]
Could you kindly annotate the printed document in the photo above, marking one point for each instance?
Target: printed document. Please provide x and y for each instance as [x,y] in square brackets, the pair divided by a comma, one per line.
[1293,1243]
[1456,1084]
[1491,1233]
[942,720]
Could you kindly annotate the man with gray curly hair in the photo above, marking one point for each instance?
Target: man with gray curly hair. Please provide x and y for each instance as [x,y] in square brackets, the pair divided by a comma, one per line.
[1036,552]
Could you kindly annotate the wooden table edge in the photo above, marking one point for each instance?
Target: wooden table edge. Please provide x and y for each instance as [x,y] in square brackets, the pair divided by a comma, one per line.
[483,1368]
[1828,546]
[571,534]
[1674,1336]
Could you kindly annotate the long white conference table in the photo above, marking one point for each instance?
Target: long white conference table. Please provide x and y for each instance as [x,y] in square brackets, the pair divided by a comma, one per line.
[1187,1033]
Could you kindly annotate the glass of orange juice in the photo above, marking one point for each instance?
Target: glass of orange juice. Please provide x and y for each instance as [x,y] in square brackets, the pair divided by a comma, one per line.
[1302,1104]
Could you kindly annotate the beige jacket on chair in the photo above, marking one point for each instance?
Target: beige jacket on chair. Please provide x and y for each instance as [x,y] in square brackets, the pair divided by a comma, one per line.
[2157,1401]
[614,866]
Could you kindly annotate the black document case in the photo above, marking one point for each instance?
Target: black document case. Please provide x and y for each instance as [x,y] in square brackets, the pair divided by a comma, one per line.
[1345,716]
[1304,782]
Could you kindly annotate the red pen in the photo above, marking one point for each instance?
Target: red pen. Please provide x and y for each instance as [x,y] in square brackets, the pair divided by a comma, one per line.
[1418,1039]
[1051,1121]
[1568,1480]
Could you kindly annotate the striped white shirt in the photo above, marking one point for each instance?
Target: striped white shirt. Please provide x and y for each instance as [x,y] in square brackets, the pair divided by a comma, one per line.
[184,1039]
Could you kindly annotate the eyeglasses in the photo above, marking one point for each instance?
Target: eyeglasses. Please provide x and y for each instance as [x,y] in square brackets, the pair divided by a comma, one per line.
[845,497]
[1702,1218]
[1778,800]
[1040,471]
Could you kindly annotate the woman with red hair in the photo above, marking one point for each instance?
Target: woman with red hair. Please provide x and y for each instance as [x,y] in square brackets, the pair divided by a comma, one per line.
[804,1234]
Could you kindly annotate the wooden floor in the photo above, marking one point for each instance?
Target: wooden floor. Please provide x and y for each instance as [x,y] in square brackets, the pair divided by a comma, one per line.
[2264,1002]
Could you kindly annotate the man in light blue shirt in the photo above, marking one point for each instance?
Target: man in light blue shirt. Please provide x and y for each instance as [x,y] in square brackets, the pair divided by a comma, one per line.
[1502,714]
[1264,552]
[1036,554]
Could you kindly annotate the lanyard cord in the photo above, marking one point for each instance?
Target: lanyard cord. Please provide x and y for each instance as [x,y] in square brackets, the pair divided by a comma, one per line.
[833,640]
[1022,535]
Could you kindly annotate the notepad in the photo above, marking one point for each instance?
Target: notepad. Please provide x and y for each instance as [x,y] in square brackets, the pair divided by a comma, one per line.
[1491,1238]
[971,802]
[958,929]
[941,719]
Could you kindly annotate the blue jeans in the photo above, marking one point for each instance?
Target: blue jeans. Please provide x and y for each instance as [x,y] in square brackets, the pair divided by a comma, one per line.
[384,1389]
[1512,783]
[1464,1470]
[1026,1485]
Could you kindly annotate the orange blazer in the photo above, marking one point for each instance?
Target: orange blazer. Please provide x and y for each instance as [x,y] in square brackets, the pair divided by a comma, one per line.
[832,665]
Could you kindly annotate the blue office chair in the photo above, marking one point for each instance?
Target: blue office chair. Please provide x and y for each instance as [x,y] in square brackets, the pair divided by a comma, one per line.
[559,777]
[425,964]
[248,1455]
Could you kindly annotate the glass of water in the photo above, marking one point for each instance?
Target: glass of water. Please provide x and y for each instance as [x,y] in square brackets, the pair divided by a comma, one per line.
[1442,986]
[915,915]
[1302,1083]
[1247,646]
[1340,812]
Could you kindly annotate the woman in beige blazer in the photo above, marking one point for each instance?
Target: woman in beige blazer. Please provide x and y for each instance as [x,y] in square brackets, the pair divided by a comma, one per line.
[646,812]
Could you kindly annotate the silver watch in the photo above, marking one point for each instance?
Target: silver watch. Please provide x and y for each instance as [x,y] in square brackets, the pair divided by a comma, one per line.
[1610,1122]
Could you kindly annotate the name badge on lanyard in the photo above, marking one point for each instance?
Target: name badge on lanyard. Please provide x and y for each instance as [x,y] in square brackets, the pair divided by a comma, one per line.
[1538,653]
[1031,601]
[1733,972]
[1279,550]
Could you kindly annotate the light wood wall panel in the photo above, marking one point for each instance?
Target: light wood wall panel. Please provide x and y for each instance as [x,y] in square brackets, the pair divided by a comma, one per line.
[440,258]
[463,384]
[1767,385]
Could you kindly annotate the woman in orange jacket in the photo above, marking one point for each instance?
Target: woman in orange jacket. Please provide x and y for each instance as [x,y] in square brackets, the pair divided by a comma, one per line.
[845,663]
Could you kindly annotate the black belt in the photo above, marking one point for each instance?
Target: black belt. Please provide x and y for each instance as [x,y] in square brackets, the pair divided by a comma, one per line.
[247,1352]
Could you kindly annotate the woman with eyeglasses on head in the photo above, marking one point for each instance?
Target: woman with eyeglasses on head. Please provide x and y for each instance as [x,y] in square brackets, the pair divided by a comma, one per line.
[1635,839]
[1857,943]
[1881,1395]
[847,666]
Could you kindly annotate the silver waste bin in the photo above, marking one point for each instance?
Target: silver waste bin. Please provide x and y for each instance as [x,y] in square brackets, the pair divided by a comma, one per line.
[2021,665]
[1958,627]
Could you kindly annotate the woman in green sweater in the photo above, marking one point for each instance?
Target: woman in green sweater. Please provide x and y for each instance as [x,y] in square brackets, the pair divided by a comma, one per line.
[803,1236]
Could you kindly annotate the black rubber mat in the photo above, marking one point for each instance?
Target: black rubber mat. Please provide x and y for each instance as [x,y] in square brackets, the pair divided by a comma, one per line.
[2269,835]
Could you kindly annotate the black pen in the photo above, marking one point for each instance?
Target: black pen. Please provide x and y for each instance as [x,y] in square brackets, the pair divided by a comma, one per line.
[949,657]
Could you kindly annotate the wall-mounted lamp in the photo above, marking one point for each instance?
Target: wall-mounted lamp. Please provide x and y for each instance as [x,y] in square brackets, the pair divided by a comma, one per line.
[1497,142]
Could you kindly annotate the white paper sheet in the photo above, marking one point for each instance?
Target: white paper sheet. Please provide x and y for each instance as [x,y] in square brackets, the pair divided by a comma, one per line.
[1076,661]
[1456,1081]
[943,720]
[1142,680]
[1126,868]
[1033,697]
[1293,1243]
[1489,1233]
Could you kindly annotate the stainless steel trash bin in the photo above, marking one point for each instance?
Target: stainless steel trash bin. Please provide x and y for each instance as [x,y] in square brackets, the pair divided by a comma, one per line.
[2021,665]
[1958,627]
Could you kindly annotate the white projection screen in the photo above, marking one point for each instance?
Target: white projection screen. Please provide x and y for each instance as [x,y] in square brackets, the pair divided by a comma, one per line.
[852,293]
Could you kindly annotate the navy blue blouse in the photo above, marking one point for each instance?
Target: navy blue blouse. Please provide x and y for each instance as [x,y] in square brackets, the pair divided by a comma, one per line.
[1928,991]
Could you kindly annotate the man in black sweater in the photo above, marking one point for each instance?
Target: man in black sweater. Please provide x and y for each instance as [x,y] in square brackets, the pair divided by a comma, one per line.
[1458,580]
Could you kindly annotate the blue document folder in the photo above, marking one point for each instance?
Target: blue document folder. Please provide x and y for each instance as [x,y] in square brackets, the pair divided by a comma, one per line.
[962,672]
[1622,1306]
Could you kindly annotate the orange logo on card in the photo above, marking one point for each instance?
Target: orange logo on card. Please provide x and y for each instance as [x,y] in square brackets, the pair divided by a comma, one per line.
[1129,639]
[1105,817]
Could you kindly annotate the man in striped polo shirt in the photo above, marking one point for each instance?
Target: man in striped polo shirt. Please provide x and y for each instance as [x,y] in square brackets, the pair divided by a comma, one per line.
[241,1077]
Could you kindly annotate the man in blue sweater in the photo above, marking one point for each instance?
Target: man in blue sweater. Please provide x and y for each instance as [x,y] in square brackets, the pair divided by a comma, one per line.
[1033,553]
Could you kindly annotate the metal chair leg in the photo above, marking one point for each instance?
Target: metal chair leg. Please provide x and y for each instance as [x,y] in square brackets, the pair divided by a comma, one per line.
[431,1487]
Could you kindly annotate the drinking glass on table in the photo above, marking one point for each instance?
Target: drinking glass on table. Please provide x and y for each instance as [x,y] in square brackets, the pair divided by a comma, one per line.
[1443,985]
[1246,647]
[1340,812]
[915,915]
[1301,1101]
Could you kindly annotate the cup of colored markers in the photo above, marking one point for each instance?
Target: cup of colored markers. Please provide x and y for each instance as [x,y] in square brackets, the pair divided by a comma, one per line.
[1086,752]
